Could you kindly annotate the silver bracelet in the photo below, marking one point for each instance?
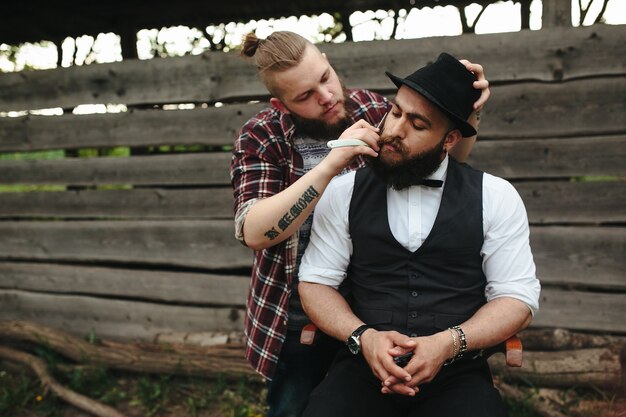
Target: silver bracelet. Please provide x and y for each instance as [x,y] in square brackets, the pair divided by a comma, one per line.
[454,347]
[462,342]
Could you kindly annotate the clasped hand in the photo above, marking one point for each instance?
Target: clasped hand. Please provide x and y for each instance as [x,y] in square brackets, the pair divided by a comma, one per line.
[380,347]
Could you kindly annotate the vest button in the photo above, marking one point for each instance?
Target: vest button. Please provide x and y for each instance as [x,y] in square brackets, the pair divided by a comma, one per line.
[413,314]
[414,293]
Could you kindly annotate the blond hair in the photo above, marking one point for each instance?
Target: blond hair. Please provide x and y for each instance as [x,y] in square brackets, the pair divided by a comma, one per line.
[279,52]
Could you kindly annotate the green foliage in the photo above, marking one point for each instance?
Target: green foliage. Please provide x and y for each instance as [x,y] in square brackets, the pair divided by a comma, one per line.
[28,188]
[518,408]
[16,391]
[153,393]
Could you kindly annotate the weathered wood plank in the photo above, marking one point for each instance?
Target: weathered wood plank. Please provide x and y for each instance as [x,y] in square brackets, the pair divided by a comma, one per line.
[512,159]
[114,319]
[598,367]
[551,158]
[577,310]
[547,202]
[202,203]
[581,107]
[566,202]
[158,286]
[175,169]
[547,55]
[524,110]
[212,126]
[206,244]
[586,257]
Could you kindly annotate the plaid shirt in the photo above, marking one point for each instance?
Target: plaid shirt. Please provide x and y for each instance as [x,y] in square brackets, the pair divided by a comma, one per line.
[265,163]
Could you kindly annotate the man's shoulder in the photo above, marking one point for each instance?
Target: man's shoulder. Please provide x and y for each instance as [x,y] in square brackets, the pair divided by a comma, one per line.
[340,186]
[268,125]
[363,96]
[496,184]
[266,116]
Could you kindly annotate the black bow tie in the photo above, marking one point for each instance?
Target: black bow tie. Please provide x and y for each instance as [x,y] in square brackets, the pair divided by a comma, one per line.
[431,183]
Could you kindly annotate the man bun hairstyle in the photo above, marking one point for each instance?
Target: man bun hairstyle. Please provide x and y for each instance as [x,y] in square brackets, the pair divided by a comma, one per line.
[250,45]
[278,52]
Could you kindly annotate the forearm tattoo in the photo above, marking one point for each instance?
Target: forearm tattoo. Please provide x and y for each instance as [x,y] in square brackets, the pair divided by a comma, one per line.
[296,210]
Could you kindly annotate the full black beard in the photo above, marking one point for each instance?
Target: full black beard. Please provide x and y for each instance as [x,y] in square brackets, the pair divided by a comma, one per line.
[411,171]
[320,130]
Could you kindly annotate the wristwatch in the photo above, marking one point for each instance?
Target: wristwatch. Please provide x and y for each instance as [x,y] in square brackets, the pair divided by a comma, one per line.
[354,341]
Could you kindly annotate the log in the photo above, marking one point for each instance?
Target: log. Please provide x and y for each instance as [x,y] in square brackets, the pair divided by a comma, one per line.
[77,400]
[214,362]
[562,339]
[598,367]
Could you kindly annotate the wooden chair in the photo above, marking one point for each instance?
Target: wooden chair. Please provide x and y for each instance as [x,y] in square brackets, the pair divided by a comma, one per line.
[512,347]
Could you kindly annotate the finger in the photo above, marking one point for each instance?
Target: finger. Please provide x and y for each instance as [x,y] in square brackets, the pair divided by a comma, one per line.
[398,350]
[401,389]
[402,340]
[380,372]
[391,380]
[481,84]
[477,69]
[484,96]
[394,370]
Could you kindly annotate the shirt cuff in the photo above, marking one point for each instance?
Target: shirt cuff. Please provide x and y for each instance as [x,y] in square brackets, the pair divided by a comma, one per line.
[321,276]
[240,218]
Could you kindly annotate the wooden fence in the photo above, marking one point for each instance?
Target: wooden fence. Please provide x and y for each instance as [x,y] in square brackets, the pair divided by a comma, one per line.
[144,244]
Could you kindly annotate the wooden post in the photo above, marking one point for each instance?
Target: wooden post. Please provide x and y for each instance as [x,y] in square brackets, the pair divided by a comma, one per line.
[556,13]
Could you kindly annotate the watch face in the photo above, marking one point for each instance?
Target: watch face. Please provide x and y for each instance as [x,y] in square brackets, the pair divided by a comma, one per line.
[354,345]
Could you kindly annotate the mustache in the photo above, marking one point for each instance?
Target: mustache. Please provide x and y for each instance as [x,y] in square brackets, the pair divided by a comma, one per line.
[391,140]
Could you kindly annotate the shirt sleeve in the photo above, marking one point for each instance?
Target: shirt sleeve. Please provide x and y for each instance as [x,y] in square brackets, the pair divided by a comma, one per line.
[328,254]
[257,170]
[507,259]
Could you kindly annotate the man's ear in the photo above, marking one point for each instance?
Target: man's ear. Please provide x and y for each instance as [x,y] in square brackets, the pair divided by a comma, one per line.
[279,105]
[452,138]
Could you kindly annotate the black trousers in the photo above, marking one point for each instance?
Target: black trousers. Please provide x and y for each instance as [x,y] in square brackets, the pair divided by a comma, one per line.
[464,389]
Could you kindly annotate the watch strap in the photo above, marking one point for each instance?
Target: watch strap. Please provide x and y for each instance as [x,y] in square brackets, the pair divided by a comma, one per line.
[359,330]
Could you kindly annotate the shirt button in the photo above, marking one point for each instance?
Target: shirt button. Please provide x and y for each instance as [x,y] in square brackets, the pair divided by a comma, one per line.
[413,335]
[413,275]
[413,314]
[414,293]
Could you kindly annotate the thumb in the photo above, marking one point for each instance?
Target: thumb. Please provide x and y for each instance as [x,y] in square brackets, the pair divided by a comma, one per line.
[402,340]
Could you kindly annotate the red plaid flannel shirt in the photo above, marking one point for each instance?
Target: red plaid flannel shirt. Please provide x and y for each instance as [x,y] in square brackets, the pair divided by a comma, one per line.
[265,163]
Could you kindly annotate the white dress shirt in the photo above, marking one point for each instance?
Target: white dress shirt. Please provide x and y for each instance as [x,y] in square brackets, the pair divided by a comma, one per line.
[507,259]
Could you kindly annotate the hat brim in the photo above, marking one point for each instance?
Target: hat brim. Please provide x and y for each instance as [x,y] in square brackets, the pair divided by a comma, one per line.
[467,130]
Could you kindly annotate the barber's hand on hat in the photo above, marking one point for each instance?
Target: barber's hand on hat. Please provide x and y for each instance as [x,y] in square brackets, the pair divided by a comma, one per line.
[480,84]
[341,156]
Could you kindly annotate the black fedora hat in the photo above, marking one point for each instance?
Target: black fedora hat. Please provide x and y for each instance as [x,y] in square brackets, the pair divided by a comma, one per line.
[448,85]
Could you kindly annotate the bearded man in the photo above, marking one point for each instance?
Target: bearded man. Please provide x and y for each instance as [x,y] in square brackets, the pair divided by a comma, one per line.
[438,258]
[280,167]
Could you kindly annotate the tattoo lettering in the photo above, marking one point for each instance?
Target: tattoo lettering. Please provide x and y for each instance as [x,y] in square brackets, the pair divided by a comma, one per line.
[285,221]
[272,234]
[302,203]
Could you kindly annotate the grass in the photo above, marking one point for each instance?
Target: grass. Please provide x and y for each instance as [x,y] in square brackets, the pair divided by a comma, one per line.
[136,395]
[146,395]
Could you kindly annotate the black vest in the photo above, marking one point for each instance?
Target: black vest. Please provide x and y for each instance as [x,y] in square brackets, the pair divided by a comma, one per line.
[441,284]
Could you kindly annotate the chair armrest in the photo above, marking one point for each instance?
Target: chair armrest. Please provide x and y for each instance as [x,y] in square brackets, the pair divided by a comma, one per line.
[512,349]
